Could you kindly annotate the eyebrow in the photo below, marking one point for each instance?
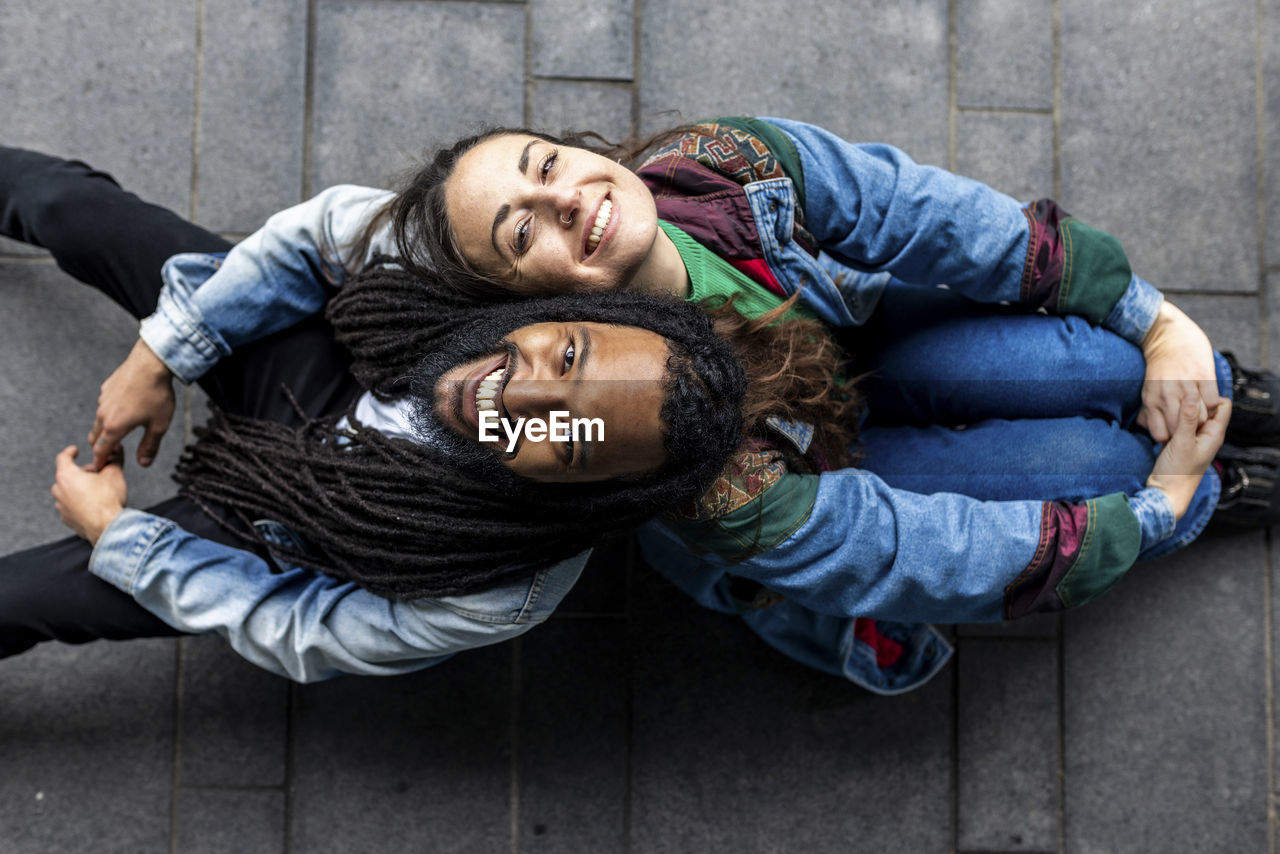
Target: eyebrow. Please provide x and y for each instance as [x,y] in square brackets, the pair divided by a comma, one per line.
[503,212]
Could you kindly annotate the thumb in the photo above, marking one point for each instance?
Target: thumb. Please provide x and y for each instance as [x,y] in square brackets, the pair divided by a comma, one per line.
[66,457]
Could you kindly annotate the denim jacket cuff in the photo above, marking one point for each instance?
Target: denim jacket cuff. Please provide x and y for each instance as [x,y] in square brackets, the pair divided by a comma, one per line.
[1132,316]
[123,546]
[178,335]
[1155,515]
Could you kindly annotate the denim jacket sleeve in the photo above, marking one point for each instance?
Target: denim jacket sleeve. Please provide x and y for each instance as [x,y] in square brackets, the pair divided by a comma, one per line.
[302,624]
[276,276]
[872,208]
[850,545]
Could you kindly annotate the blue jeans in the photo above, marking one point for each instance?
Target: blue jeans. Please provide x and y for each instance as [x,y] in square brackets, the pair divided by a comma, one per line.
[995,404]
[1046,406]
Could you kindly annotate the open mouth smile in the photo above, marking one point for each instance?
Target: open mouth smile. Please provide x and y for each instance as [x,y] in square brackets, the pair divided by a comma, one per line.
[483,390]
[604,216]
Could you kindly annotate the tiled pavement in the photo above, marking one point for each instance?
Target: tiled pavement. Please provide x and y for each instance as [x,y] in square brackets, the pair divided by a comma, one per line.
[635,721]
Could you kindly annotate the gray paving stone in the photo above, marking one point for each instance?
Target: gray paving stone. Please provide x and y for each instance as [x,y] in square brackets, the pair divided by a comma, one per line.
[250,127]
[112,87]
[573,737]
[1037,626]
[1165,706]
[881,83]
[559,105]
[1004,54]
[417,762]
[1007,746]
[1012,152]
[1159,136]
[736,748]
[60,341]
[212,821]
[1271,124]
[233,718]
[456,66]
[583,38]
[86,747]
[1232,322]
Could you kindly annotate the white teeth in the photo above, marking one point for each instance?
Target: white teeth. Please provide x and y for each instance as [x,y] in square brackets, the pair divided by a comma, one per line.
[488,390]
[602,220]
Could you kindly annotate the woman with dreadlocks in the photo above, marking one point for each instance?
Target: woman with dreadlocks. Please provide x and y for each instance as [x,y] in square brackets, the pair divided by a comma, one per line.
[395,538]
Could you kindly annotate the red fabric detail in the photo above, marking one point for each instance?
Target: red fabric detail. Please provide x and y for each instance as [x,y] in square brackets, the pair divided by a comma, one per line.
[1063,528]
[760,273]
[888,651]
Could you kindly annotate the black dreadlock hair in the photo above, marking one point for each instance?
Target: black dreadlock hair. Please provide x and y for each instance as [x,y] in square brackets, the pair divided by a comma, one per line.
[396,516]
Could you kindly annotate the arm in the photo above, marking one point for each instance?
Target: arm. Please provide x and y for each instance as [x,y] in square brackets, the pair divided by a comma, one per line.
[208,305]
[301,624]
[845,543]
[298,623]
[273,278]
[874,208]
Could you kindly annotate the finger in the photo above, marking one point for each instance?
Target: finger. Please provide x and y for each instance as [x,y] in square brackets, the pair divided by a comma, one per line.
[1209,391]
[1156,425]
[107,444]
[1188,420]
[66,457]
[149,446]
[1217,425]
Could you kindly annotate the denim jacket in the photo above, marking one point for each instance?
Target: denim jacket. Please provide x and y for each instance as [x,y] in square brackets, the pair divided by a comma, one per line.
[881,221]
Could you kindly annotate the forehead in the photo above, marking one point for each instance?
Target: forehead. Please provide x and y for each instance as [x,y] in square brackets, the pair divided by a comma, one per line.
[481,181]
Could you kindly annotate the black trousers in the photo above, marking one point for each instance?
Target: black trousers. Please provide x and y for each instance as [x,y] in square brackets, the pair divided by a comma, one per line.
[113,241]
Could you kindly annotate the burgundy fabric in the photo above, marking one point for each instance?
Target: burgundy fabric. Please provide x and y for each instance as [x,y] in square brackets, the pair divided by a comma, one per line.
[1046,255]
[1063,529]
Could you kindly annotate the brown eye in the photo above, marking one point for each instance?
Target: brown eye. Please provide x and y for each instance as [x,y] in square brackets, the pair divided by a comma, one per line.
[548,163]
[522,237]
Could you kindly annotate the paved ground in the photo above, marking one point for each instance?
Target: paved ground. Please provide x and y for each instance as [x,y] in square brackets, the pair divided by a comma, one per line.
[634,721]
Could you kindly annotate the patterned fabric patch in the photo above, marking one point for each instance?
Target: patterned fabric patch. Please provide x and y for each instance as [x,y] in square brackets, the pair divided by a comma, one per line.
[726,150]
[746,476]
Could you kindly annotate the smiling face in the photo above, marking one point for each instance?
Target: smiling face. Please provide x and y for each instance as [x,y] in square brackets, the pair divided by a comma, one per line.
[590,370]
[548,218]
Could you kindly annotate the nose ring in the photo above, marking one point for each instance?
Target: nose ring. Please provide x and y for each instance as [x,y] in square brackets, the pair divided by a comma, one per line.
[566,220]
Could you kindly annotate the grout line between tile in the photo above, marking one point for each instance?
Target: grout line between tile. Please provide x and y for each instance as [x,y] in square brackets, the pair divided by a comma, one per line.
[1260,116]
[175,778]
[517,669]
[1268,681]
[308,101]
[613,82]
[628,761]
[1034,111]
[637,20]
[955,743]
[291,703]
[196,117]
[952,85]
[1057,99]
[526,115]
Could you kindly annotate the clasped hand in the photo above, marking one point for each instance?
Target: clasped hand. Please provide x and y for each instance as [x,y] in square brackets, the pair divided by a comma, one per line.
[1179,365]
[139,393]
[88,499]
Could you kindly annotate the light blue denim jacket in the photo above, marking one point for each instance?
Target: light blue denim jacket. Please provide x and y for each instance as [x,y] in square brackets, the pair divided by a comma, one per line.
[869,204]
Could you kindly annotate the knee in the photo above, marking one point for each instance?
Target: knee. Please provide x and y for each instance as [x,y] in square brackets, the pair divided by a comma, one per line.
[44,197]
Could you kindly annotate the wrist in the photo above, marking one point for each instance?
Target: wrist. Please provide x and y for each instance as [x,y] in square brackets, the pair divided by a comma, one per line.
[101,520]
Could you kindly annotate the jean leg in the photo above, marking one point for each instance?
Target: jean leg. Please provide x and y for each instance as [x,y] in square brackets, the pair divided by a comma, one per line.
[47,592]
[97,232]
[935,358]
